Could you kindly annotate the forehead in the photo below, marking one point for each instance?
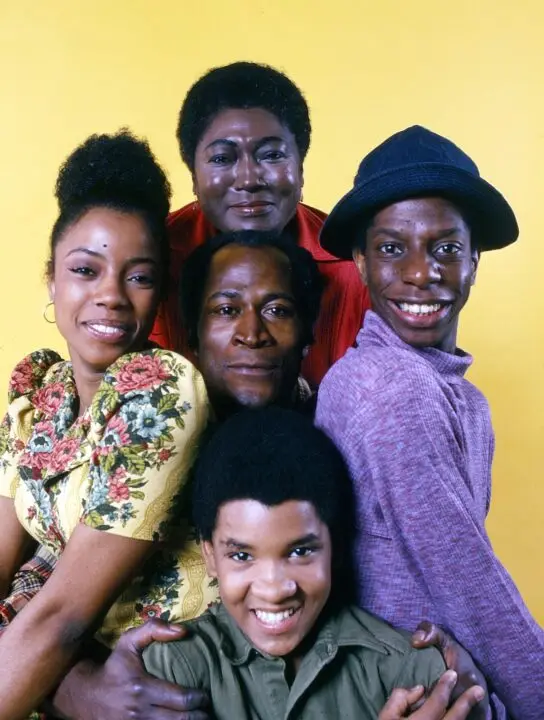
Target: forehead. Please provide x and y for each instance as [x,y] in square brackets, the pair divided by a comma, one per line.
[420,213]
[243,125]
[237,267]
[256,524]
[109,232]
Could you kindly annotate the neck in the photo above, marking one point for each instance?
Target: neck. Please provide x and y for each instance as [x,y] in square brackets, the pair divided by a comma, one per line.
[449,343]
[224,407]
[87,382]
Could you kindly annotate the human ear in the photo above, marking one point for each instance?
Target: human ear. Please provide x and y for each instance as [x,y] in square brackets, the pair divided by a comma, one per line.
[209,558]
[51,289]
[360,262]
[475,260]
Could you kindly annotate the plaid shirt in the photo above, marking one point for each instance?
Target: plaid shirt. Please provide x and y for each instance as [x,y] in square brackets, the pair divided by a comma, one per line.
[26,583]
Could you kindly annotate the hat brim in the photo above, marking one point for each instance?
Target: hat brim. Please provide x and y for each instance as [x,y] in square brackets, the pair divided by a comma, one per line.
[496,224]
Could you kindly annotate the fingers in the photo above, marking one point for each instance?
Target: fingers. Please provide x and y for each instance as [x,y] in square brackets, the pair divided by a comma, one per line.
[439,699]
[465,704]
[174,698]
[155,713]
[400,702]
[137,639]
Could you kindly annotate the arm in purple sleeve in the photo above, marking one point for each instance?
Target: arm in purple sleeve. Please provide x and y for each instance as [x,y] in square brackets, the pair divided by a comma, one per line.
[402,439]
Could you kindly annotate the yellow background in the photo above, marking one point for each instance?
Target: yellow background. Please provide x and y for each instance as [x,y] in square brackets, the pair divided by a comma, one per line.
[469,69]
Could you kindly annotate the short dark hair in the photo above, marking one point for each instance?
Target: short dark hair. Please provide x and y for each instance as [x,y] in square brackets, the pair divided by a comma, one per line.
[306,279]
[274,455]
[241,85]
[115,171]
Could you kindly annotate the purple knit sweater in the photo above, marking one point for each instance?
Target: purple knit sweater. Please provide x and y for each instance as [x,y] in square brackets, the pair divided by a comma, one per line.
[418,442]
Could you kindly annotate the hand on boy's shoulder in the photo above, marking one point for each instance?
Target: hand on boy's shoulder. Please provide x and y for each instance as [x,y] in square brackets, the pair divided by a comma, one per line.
[457,659]
[435,707]
[188,661]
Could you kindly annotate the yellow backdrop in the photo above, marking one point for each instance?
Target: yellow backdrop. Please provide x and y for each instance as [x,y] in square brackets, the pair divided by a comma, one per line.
[470,70]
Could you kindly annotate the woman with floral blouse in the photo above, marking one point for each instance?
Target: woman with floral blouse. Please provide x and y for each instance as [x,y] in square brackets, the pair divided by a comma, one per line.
[95,452]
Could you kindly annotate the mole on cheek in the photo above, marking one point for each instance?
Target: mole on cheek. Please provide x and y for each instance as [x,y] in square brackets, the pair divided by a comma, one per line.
[105,245]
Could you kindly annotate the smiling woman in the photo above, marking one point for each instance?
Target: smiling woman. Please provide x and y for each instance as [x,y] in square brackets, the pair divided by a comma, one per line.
[95,452]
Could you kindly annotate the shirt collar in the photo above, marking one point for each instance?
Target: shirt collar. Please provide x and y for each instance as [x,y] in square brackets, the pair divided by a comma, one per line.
[341,629]
[376,332]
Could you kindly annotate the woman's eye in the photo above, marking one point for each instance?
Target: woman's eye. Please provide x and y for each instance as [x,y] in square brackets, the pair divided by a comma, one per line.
[240,556]
[82,270]
[219,159]
[141,279]
[273,155]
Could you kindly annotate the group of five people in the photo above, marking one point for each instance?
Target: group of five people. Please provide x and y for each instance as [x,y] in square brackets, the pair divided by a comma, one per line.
[263,294]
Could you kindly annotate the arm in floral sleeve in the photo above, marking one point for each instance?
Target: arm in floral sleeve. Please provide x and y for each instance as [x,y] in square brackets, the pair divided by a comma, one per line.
[145,422]
[25,381]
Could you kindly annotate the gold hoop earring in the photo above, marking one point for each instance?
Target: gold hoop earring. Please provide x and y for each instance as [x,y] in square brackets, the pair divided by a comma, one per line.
[46,308]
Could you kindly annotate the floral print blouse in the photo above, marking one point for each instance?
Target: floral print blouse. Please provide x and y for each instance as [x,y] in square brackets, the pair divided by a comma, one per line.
[121,467]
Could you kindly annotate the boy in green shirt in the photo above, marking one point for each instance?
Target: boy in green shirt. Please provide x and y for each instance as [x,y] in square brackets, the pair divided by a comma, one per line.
[273,506]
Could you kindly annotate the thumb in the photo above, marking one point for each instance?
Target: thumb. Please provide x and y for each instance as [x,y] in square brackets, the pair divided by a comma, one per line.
[428,634]
[138,638]
[400,702]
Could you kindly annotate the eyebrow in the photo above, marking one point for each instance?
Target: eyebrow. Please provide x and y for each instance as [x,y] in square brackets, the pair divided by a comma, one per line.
[400,235]
[304,540]
[94,253]
[233,144]
[233,294]
[232,543]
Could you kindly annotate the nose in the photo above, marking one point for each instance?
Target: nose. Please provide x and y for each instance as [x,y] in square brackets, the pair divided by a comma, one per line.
[420,269]
[249,174]
[252,330]
[274,585]
[111,292]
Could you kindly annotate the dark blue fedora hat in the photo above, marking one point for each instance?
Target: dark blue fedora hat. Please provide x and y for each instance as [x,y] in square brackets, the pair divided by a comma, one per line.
[417,163]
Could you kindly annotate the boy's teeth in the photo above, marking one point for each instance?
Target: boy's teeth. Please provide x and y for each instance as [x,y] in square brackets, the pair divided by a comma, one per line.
[274,618]
[419,308]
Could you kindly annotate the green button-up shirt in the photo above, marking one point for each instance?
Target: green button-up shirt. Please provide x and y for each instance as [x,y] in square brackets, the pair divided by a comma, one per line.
[350,671]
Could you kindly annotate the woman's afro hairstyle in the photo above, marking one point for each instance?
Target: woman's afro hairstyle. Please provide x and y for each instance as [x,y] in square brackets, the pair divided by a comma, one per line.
[241,85]
[115,171]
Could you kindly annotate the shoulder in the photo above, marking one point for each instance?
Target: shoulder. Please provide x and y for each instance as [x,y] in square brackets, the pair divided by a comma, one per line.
[160,378]
[196,659]
[183,216]
[32,372]
[399,661]
[311,214]
[378,373]
[366,387]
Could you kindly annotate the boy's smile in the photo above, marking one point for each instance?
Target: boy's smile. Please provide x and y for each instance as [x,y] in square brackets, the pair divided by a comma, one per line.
[274,570]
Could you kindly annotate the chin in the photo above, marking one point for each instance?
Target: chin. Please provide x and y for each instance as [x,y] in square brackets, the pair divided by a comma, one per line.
[254,401]
[278,649]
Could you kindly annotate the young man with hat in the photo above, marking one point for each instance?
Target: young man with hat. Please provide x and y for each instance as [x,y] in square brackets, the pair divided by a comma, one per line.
[416,435]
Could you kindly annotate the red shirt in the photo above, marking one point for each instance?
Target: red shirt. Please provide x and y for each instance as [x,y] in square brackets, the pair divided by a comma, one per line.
[345,298]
